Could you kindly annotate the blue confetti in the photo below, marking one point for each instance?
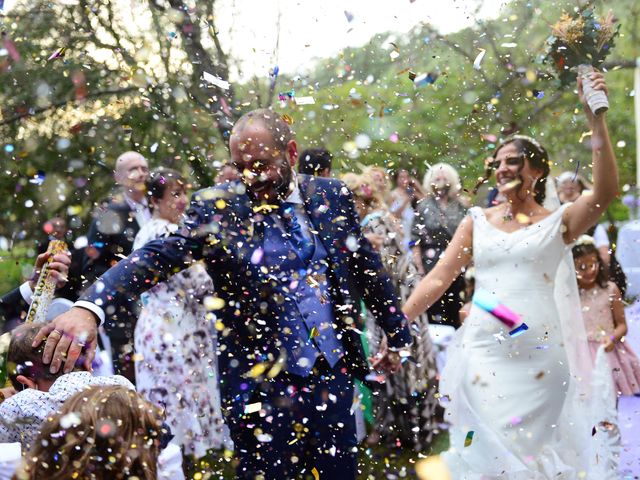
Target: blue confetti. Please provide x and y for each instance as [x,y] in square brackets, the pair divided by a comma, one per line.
[519,330]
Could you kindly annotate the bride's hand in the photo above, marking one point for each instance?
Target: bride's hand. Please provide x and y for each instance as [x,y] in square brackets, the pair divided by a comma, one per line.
[598,83]
[608,344]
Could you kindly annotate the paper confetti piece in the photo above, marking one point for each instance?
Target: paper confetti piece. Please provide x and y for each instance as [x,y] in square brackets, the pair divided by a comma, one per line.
[349,16]
[267,208]
[376,377]
[57,54]
[316,474]
[479,57]
[253,407]
[432,468]
[257,370]
[71,419]
[218,82]
[304,100]
[313,333]
[468,439]
[519,330]
[424,79]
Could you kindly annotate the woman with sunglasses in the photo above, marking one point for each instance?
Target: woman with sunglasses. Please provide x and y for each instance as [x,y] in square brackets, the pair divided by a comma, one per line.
[516,385]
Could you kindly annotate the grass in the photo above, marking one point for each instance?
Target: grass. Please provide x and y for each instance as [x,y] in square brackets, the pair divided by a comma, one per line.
[374,463]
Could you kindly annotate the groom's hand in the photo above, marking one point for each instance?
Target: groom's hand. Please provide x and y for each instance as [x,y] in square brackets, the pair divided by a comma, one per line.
[386,361]
[67,335]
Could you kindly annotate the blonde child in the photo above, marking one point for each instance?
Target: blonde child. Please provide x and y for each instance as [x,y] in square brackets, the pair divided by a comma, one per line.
[603,314]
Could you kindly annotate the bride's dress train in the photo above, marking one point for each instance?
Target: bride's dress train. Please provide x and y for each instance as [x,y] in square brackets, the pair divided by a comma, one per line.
[526,398]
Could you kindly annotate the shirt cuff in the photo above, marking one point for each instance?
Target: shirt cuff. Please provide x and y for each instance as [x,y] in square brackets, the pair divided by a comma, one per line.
[26,292]
[93,308]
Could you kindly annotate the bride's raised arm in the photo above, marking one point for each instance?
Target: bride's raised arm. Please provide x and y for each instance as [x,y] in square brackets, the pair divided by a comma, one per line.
[587,209]
[457,256]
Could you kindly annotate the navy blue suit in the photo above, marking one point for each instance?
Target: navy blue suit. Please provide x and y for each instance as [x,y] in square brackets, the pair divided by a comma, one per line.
[262,297]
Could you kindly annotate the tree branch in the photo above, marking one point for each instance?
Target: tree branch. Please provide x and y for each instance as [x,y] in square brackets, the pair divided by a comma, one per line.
[62,103]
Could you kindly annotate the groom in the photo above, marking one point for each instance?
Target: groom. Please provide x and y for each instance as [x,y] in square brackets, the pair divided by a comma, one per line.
[282,251]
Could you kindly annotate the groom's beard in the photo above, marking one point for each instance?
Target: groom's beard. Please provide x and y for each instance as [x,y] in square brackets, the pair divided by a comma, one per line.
[272,190]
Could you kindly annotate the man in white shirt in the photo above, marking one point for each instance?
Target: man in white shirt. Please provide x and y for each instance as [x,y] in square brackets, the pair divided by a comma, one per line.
[113,228]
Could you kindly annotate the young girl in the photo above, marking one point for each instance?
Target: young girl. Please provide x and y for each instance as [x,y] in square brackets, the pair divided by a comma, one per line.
[603,314]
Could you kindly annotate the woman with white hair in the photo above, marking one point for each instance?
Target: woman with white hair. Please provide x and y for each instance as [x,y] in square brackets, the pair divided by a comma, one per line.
[437,218]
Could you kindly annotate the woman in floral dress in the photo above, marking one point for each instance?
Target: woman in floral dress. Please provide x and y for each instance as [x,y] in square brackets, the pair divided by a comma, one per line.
[175,343]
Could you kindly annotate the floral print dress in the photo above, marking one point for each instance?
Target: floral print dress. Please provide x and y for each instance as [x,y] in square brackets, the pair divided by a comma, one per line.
[175,353]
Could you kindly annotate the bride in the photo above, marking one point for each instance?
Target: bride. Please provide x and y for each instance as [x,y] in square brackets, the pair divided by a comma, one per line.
[519,405]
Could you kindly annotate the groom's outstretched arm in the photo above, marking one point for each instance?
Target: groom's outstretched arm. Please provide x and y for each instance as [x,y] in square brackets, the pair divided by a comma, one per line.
[68,334]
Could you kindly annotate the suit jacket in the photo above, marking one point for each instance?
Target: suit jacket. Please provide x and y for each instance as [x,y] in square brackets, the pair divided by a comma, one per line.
[12,307]
[224,228]
[111,234]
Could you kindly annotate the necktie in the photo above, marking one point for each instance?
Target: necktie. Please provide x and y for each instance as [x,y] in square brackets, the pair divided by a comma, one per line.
[304,248]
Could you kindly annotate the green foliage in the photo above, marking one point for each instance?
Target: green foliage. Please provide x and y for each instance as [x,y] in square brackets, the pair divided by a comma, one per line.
[142,94]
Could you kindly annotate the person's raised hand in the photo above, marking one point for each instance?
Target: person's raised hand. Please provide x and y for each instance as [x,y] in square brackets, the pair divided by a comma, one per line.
[597,83]
[67,335]
[58,268]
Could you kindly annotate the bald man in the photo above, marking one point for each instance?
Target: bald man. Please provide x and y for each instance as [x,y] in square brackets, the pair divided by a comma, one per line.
[113,228]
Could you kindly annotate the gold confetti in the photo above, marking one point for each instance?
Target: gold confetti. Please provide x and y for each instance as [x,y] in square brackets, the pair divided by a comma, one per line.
[316,474]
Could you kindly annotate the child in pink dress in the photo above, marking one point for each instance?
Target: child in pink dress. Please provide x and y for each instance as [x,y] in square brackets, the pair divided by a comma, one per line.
[603,314]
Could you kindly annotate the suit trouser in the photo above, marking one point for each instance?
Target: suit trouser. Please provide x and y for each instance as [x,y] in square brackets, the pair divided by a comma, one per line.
[307,424]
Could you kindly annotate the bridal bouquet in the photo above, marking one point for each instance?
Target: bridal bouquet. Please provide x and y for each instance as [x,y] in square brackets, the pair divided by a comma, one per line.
[577,44]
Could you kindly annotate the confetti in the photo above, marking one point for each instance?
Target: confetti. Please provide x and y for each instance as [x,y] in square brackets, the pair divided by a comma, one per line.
[519,330]
[105,428]
[316,474]
[349,16]
[38,178]
[313,333]
[217,81]
[253,407]
[376,377]
[71,419]
[424,79]
[432,468]
[468,439]
[479,57]
[304,100]
[256,256]
[57,54]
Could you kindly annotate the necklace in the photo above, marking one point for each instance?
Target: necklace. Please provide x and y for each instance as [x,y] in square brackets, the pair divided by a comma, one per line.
[508,214]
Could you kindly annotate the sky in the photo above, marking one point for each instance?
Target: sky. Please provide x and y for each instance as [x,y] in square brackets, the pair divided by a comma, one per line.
[316,29]
[312,29]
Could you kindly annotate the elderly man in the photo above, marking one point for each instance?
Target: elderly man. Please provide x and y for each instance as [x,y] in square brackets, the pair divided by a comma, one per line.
[282,251]
[113,228]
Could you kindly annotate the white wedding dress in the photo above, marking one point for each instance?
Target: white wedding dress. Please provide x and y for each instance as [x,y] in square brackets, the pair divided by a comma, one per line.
[525,398]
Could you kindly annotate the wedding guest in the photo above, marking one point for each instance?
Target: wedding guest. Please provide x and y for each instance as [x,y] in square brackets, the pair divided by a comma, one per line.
[570,187]
[113,228]
[437,217]
[175,343]
[604,316]
[39,392]
[103,432]
[405,406]
[14,305]
[315,161]
[227,173]
[403,201]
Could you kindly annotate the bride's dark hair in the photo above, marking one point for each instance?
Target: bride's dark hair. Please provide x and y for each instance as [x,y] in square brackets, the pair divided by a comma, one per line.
[538,158]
